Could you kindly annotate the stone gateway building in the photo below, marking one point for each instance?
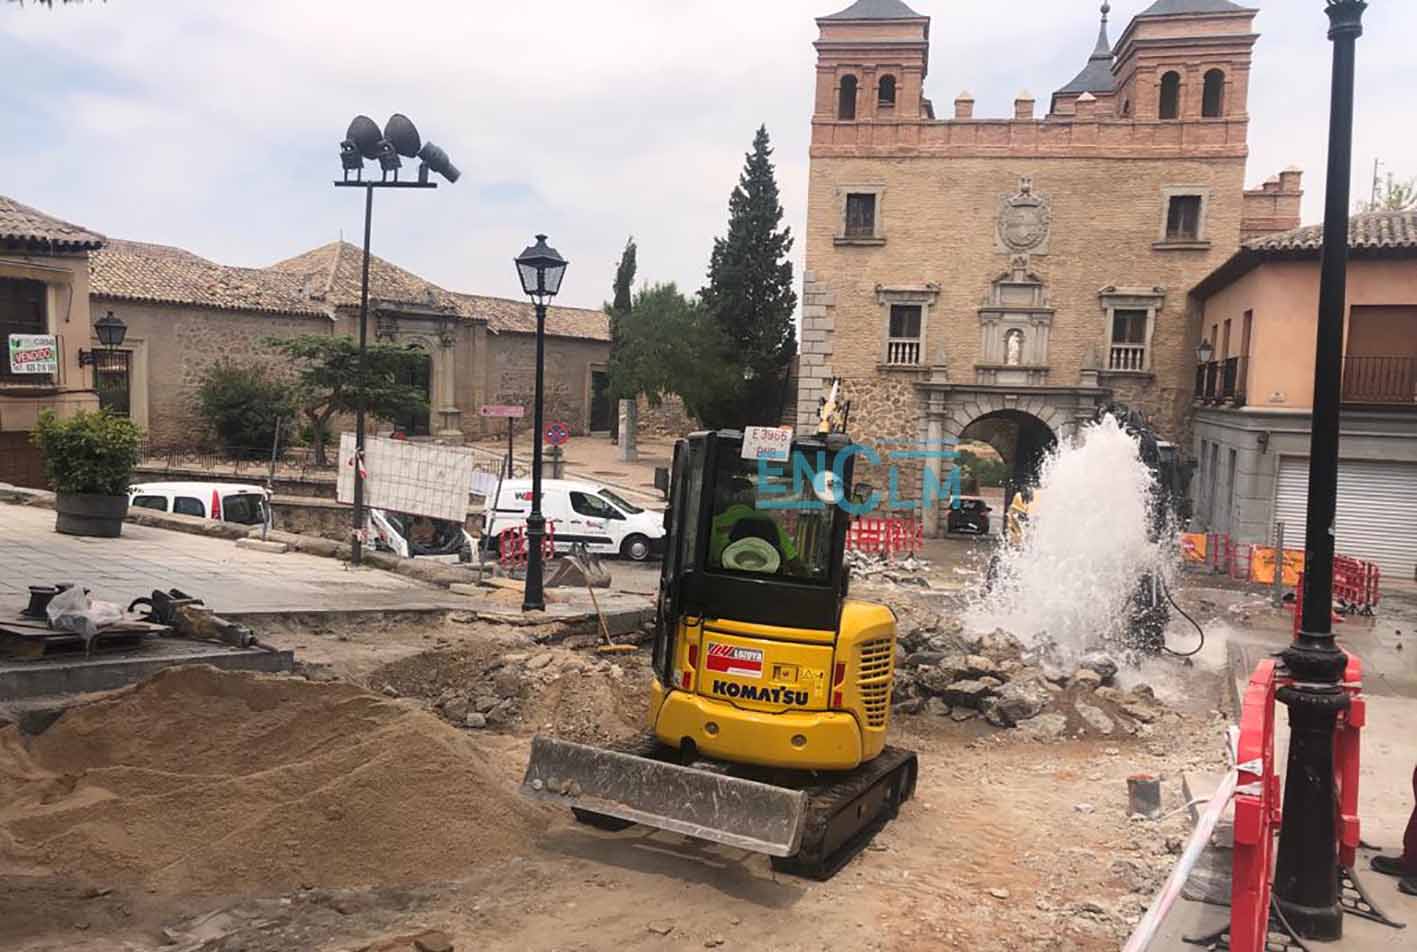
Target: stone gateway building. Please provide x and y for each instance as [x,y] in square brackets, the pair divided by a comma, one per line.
[999,279]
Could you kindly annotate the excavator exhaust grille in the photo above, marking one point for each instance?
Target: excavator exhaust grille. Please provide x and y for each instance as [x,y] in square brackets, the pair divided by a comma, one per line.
[873,679]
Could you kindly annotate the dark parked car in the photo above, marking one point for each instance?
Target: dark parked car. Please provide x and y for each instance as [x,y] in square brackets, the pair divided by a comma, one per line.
[971,516]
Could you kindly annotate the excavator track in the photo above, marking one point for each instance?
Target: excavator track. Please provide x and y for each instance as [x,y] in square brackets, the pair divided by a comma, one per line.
[843,810]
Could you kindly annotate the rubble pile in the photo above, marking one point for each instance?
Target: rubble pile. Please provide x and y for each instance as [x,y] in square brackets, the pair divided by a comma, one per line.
[943,671]
[906,570]
[575,694]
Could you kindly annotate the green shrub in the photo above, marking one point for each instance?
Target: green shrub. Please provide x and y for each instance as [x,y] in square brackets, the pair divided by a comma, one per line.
[90,452]
[985,470]
[242,405]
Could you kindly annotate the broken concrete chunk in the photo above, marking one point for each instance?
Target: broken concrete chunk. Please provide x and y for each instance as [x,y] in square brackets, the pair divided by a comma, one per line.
[1103,664]
[1095,718]
[1087,679]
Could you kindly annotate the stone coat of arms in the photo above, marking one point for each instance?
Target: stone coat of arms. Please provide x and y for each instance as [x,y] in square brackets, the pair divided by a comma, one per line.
[1024,221]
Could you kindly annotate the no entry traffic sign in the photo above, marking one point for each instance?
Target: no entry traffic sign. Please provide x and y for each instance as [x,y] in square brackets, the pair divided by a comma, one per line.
[557,434]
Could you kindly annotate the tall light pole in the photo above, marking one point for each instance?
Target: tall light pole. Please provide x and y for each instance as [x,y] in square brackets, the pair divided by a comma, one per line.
[541,269]
[365,141]
[1306,868]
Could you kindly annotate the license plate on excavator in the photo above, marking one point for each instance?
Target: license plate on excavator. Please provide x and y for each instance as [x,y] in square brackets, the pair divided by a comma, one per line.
[690,800]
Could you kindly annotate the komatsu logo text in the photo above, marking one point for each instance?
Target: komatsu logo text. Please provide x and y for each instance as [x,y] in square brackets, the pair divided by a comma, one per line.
[751,692]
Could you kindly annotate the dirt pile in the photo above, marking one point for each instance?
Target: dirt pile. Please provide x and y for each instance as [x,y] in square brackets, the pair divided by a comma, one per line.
[202,781]
[576,695]
[945,671]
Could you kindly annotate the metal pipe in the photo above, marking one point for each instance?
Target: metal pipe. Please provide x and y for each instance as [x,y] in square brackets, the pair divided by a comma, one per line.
[356,550]
[535,599]
[1195,846]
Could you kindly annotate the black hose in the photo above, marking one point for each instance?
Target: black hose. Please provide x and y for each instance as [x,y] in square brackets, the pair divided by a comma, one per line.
[1200,631]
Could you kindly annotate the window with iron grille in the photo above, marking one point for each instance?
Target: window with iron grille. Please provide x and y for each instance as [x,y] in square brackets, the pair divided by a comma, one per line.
[113,380]
[22,311]
[861,216]
[1183,218]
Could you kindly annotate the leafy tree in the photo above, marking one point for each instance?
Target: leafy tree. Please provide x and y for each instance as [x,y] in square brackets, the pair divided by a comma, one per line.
[750,295]
[1392,196]
[242,404]
[986,471]
[330,380]
[669,345]
[620,306]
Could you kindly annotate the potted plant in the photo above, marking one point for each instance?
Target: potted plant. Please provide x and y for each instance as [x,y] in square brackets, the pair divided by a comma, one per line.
[89,459]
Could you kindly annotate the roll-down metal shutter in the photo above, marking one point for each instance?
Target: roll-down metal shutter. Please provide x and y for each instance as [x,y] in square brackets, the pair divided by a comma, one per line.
[1377,511]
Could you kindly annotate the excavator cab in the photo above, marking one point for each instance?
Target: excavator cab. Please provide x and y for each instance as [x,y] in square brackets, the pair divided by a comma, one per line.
[771,698]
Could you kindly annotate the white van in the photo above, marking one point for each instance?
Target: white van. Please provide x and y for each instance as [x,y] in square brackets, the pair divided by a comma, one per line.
[584,512]
[242,503]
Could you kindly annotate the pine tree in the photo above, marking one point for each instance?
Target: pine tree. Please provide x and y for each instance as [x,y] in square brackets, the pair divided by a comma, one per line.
[617,310]
[750,294]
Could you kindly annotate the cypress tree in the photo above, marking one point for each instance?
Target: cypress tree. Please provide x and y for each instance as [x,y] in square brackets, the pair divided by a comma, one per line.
[617,310]
[750,293]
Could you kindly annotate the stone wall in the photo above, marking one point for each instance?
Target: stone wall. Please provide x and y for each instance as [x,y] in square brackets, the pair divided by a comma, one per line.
[569,362]
[174,346]
[670,418]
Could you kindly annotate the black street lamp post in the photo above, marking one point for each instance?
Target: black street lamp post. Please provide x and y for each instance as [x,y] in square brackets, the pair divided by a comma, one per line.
[541,269]
[365,141]
[1306,868]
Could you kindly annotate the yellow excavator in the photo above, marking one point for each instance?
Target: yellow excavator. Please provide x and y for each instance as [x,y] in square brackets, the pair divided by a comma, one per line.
[772,691]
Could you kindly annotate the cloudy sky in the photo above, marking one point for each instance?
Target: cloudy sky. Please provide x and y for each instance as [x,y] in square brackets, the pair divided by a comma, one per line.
[214,124]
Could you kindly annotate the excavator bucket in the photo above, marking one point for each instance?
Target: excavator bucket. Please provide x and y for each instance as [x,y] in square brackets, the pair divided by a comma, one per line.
[689,800]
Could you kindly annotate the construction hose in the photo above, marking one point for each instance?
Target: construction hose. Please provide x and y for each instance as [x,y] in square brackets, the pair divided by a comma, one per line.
[1199,630]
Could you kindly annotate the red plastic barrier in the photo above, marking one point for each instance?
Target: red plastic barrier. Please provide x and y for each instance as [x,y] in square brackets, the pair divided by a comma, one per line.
[1258,804]
[1257,814]
[1347,748]
[885,536]
[511,544]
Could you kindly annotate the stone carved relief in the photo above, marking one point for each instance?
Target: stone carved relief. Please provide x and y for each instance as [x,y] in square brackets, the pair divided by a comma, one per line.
[1025,221]
[386,326]
[1013,347]
[1015,322]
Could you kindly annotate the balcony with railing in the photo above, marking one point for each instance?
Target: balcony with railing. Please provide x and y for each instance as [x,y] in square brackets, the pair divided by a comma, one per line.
[1380,381]
[1223,381]
[903,352]
[1127,357]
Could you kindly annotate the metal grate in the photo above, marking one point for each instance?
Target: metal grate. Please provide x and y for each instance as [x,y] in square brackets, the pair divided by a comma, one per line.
[873,679]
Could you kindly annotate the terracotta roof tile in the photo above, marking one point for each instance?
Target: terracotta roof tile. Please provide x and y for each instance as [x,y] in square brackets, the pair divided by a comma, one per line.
[1366,231]
[505,316]
[316,282]
[32,228]
[137,271]
[339,264]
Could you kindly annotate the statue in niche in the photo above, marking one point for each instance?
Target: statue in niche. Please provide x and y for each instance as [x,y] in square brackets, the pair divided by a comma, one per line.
[1013,348]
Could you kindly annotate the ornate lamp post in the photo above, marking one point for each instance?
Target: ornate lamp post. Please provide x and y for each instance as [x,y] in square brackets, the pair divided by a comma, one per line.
[541,269]
[110,332]
[365,141]
[1306,870]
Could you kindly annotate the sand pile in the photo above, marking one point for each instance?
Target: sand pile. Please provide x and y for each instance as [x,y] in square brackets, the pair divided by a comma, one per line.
[202,781]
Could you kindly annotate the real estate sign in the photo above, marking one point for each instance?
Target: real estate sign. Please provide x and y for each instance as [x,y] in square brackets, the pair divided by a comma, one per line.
[34,354]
